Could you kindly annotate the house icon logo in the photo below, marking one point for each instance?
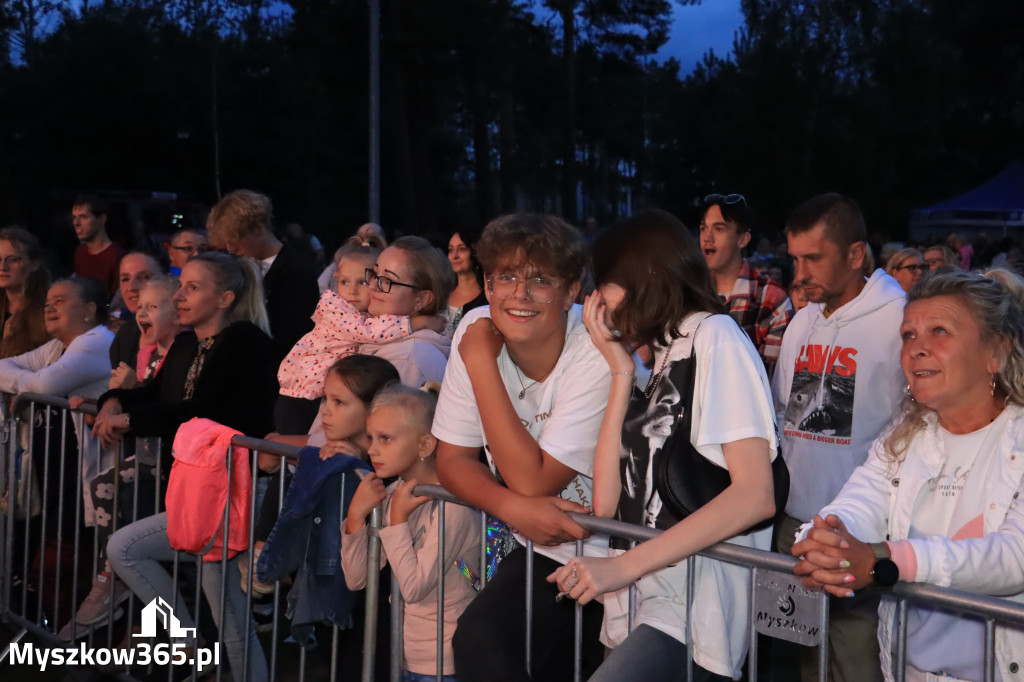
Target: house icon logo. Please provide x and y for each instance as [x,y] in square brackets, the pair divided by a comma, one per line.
[160,612]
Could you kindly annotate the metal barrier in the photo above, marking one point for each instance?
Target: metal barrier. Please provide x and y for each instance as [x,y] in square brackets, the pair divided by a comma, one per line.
[32,517]
[35,517]
[771,580]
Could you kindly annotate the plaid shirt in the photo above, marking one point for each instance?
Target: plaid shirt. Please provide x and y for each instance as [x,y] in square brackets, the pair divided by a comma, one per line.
[763,309]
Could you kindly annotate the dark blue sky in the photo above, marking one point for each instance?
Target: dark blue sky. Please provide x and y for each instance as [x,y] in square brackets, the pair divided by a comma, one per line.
[698,28]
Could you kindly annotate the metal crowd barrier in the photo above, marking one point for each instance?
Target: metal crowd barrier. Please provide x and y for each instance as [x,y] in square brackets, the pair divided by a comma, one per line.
[776,598]
[28,524]
[780,607]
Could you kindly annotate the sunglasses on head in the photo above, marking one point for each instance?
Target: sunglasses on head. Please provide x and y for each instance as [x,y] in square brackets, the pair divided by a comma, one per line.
[727,199]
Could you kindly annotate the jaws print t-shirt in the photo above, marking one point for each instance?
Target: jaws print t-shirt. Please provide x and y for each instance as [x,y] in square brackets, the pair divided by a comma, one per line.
[563,413]
[821,398]
[836,386]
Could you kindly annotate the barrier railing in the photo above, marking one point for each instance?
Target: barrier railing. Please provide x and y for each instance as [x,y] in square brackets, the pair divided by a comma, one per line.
[38,508]
[41,521]
[773,587]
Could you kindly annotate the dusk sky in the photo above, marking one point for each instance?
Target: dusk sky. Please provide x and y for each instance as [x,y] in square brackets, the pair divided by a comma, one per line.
[698,28]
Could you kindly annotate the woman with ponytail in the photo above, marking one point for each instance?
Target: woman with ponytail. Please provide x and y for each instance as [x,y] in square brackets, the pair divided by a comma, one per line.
[223,370]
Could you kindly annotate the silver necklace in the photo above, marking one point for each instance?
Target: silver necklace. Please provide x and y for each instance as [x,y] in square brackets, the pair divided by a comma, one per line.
[652,383]
[522,393]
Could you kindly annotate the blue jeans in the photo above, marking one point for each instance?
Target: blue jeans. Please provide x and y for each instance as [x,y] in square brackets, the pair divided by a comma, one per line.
[135,553]
[650,655]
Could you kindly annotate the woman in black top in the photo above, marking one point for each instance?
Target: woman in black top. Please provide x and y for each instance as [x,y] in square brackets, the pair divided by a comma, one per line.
[224,370]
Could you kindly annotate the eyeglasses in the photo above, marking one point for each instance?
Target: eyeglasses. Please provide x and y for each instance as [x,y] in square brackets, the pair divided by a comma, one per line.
[538,289]
[190,250]
[384,284]
[11,261]
[914,267]
[727,199]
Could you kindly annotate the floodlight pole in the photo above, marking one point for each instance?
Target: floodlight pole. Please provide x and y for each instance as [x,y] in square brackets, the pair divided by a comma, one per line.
[374,208]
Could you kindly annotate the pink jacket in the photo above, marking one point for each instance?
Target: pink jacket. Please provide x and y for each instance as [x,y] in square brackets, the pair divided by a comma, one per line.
[340,330]
[197,491]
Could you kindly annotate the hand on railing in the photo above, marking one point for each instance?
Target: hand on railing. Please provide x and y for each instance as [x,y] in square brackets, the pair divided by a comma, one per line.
[111,423]
[368,495]
[831,558]
[585,578]
[404,501]
[543,520]
[339,447]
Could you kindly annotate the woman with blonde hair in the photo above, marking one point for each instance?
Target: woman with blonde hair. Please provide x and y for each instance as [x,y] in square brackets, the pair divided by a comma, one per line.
[906,267]
[955,449]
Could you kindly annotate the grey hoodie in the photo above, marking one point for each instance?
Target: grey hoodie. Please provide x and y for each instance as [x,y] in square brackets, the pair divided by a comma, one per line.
[837,385]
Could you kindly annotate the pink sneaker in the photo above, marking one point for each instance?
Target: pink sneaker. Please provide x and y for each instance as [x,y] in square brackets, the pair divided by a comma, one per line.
[95,610]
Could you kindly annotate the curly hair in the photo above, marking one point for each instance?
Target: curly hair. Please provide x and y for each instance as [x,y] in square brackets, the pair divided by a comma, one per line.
[998,310]
[545,243]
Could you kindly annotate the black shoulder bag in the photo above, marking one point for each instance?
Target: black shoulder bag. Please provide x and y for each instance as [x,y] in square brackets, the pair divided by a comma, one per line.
[685,479]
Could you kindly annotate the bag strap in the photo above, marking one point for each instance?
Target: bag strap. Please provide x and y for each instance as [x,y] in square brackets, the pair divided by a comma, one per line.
[686,398]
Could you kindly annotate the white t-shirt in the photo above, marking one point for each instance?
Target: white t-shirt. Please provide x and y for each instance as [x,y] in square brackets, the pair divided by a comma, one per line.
[731,401]
[563,413]
[952,506]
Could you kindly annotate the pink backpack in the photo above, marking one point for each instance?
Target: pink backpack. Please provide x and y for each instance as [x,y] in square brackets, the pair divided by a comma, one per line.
[197,491]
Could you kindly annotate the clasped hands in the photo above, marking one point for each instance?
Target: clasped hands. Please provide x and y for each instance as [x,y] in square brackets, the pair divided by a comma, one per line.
[831,558]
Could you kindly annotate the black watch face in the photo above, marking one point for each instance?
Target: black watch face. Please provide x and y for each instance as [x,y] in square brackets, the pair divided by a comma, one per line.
[886,572]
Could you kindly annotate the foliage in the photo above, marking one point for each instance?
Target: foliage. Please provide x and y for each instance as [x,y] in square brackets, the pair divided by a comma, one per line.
[491,106]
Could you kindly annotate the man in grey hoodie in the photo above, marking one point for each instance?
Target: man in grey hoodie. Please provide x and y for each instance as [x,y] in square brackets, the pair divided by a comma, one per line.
[837,385]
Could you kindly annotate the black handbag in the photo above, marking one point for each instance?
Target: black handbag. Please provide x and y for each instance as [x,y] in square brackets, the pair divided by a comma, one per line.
[685,479]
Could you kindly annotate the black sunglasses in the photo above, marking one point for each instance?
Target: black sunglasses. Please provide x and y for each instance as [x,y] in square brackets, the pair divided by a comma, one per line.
[727,199]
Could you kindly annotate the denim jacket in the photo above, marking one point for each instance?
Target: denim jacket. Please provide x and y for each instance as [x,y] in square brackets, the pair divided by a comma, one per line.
[307,540]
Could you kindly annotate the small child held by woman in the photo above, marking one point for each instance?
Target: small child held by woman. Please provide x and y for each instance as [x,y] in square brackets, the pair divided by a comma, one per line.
[342,325]
[401,445]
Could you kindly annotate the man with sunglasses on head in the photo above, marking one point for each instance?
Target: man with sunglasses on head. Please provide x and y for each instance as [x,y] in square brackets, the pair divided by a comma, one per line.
[759,304]
[525,382]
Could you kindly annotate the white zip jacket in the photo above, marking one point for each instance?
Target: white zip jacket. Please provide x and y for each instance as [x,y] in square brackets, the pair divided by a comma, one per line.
[876,505]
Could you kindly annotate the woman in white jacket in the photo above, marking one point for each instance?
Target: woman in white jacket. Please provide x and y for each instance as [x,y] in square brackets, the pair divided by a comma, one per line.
[937,500]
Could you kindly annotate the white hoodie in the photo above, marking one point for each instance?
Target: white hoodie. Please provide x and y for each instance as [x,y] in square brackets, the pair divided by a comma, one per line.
[829,418]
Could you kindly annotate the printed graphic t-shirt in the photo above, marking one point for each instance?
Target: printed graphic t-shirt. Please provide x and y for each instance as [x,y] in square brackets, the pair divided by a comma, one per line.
[952,506]
[563,413]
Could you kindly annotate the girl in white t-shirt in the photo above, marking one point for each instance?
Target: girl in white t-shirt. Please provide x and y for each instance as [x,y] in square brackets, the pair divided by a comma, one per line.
[654,288]
[401,445]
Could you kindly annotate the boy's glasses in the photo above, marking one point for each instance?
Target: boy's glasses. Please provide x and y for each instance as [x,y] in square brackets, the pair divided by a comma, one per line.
[538,289]
[384,284]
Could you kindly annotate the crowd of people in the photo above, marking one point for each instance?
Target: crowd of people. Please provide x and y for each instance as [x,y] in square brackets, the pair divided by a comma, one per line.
[532,373]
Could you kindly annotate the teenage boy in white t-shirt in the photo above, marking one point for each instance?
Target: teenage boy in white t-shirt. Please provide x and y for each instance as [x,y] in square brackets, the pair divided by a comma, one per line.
[525,382]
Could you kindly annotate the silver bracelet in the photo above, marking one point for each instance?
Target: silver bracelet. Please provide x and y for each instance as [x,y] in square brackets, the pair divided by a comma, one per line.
[627,373]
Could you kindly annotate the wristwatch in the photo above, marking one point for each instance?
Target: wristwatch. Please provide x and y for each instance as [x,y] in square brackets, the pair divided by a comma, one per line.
[885,572]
